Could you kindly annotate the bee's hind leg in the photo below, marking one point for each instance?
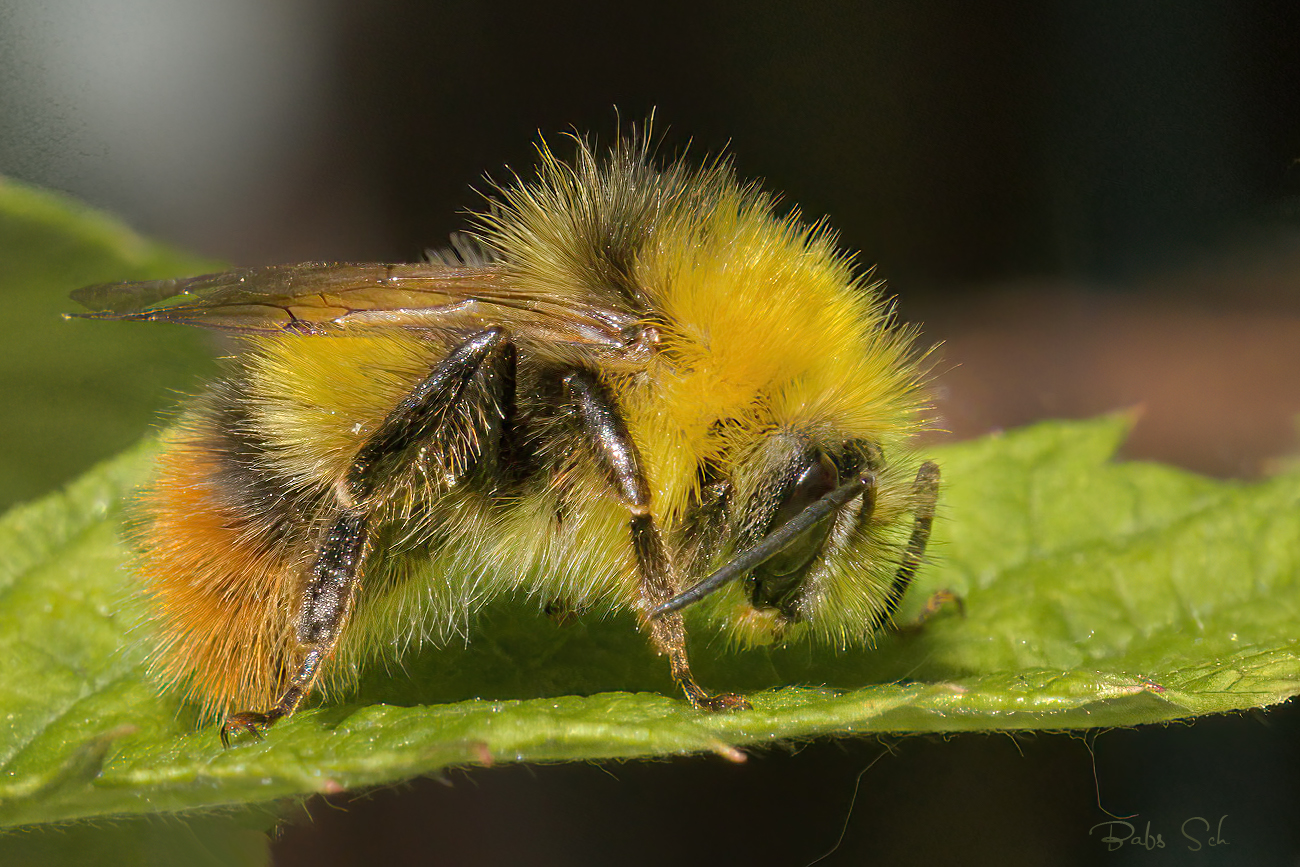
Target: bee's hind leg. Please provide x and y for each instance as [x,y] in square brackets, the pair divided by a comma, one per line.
[326,602]
[607,436]
[478,372]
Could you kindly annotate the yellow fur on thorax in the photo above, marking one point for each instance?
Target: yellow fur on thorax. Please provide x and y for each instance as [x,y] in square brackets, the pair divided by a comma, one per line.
[763,326]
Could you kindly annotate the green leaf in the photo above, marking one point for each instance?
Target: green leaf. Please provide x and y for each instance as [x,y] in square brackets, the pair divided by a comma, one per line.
[78,392]
[1096,594]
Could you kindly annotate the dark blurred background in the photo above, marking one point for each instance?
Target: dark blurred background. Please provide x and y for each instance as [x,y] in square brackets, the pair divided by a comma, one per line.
[1092,205]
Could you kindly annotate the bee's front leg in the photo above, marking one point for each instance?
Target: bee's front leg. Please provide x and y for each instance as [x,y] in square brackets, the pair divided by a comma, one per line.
[611,444]
[925,496]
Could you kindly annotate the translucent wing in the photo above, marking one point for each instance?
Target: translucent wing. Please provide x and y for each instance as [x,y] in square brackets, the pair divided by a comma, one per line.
[323,298]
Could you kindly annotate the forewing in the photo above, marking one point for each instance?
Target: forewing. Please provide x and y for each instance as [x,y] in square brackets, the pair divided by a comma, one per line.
[321,298]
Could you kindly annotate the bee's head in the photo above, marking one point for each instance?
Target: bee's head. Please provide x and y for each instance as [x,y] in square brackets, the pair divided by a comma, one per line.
[799,527]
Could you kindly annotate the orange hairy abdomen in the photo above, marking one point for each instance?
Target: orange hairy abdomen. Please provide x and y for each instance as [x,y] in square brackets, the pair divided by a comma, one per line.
[223,596]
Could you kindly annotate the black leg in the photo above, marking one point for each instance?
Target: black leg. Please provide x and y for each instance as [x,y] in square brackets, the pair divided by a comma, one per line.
[925,494]
[445,419]
[611,444]
[459,407]
[325,604]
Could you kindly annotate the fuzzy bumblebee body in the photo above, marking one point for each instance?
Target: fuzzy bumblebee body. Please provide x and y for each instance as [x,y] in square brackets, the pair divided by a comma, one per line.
[638,378]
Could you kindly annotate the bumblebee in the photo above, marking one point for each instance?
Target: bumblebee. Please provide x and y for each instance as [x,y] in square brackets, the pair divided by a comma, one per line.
[631,386]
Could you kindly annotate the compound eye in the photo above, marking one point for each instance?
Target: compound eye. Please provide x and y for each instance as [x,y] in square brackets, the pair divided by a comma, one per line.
[778,579]
[818,479]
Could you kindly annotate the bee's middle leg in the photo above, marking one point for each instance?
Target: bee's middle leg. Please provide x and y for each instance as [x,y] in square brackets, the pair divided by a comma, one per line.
[607,435]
